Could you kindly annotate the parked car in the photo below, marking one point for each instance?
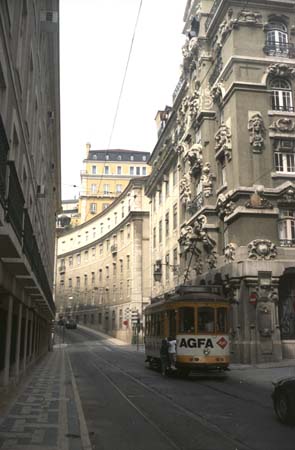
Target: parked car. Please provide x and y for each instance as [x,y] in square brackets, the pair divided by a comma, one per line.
[283,397]
[71,324]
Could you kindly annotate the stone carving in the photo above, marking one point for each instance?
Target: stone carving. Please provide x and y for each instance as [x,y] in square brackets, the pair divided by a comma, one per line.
[230,252]
[201,234]
[281,70]
[181,148]
[212,260]
[283,125]
[257,132]
[262,249]
[249,17]
[186,238]
[194,156]
[223,140]
[225,206]
[217,93]
[193,105]
[258,202]
[207,180]
[223,32]
[185,189]
[288,196]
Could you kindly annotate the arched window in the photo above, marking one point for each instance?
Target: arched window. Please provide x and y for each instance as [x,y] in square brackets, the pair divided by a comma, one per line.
[277,39]
[281,97]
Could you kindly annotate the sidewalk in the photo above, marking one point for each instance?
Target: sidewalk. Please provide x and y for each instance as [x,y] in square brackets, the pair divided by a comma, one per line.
[47,413]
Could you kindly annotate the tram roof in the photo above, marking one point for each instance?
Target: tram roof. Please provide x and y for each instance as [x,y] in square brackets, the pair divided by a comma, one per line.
[205,293]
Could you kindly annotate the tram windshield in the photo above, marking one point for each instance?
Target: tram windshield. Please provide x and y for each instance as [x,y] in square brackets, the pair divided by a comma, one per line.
[186,320]
[206,319]
[221,320]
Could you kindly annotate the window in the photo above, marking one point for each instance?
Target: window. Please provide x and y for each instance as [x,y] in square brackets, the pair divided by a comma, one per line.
[128,231]
[70,283]
[85,280]
[86,235]
[167,266]
[93,250]
[93,208]
[114,269]
[287,227]
[205,320]
[281,97]
[106,170]
[222,169]
[78,259]
[284,156]
[119,158]
[160,196]
[86,255]
[128,262]
[221,320]
[93,188]
[131,158]
[186,320]
[119,170]
[175,260]
[131,170]
[100,275]
[107,157]
[101,249]
[277,39]
[115,218]
[119,188]
[143,171]
[106,189]
[108,245]
[78,282]
[174,217]
[70,260]
[137,170]
[121,265]
[154,237]
[160,231]
[167,224]
[93,170]
[101,228]
[122,211]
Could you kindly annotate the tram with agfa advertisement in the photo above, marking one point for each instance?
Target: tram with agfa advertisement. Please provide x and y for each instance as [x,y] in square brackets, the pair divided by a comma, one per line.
[197,317]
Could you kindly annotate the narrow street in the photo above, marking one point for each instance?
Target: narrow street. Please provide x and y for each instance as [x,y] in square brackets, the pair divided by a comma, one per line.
[94,392]
[131,407]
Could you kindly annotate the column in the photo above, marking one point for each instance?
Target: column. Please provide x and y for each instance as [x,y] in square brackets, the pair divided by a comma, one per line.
[18,337]
[8,341]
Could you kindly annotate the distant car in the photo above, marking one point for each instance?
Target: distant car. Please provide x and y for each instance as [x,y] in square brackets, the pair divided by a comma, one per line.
[283,397]
[71,324]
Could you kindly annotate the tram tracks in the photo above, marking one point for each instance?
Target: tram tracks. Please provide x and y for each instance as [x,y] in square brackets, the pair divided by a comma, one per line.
[130,398]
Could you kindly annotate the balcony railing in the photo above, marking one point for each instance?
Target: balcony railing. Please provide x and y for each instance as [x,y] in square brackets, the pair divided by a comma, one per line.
[178,88]
[287,242]
[114,248]
[285,108]
[279,49]
[212,13]
[15,202]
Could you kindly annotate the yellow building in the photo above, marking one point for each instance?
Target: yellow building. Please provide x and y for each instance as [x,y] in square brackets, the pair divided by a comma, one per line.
[106,173]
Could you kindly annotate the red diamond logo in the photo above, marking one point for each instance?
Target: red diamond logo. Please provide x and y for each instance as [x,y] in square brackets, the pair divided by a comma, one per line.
[222,342]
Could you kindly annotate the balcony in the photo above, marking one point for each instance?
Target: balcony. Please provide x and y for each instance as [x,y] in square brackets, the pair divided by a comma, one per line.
[178,88]
[62,269]
[212,13]
[279,49]
[114,248]
[15,202]
[287,242]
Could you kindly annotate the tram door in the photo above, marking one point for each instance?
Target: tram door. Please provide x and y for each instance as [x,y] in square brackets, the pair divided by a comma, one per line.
[172,323]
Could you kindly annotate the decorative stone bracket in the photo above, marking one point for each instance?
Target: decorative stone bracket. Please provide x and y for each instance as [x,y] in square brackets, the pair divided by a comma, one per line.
[262,249]
[223,141]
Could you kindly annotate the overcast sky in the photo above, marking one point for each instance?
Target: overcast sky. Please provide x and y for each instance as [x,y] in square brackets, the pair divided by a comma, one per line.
[95,38]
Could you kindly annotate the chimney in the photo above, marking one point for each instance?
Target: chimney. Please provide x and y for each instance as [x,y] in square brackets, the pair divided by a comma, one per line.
[88,147]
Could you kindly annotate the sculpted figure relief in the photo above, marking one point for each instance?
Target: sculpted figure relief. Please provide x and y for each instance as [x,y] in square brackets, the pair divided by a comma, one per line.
[194,156]
[207,180]
[257,132]
[223,140]
[230,252]
[185,189]
[249,17]
[225,206]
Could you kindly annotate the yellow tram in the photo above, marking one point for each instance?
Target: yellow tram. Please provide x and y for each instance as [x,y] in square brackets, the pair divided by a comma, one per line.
[197,317]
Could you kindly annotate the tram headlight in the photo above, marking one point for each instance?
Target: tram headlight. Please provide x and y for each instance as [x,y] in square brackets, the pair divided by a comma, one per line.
[206,351]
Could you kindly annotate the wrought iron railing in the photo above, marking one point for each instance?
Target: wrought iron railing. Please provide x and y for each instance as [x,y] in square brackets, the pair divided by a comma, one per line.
[279,49]
[15,202]
[287,242]
[212,13]
[178,88]
[285,108]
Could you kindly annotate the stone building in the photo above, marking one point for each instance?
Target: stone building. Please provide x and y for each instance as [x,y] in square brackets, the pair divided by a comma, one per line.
[29,180]
[224,167]
[105,175]
[103,265]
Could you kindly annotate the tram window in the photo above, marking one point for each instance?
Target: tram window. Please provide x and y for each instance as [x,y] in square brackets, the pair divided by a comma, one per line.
[148,325]
[158,323]
[205,319]
[221,322]
[172,323]
[186,320]
[162,324]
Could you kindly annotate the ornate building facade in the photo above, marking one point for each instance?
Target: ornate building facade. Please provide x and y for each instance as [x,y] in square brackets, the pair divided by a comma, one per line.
[103,265]
[29,180]
[105,175]
[223,171]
